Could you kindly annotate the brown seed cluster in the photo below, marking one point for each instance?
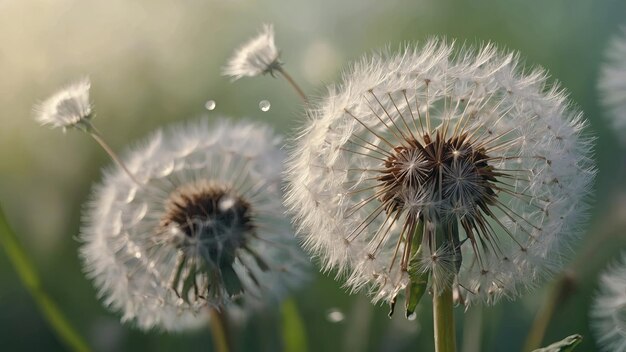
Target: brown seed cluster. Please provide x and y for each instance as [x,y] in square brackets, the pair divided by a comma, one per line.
[440,166]
[216,223]
[205,211]
[451,177]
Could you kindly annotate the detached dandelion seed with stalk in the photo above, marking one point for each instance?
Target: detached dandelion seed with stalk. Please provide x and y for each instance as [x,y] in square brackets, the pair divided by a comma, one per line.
[70,108]
[259,56]
[205,230]
[440,169]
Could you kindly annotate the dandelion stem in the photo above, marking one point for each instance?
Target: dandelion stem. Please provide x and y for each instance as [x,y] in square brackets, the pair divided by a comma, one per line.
[544,315]
[443,320]
[443,305]
[293,333]
[98,138]
[293,84]
[218,324]
[563,286]
[29,277]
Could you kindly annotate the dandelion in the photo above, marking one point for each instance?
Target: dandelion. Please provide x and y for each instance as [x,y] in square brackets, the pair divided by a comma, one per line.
[608,312]
[256,57]
[204,228]
[260,56]
[67,108]
[70,108]
[612,82]
[441,167]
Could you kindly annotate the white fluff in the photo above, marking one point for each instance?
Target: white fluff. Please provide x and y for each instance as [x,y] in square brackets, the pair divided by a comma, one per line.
[132,263]
[525,123]
[612,84]
[608,312]
[257,56]
[67,107]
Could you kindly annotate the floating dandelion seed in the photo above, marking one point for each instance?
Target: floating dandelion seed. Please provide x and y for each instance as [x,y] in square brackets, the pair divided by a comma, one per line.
[257,56]
[608,312]
[69,107]
[444,163]
[612,82]
[205,227]
[260,56]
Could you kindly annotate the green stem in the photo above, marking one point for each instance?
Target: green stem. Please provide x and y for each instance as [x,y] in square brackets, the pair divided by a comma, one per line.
[564,285]
[562,288]
[218,325]
[28,275]
[293,84]
[443,320]
[98,138]
[293,332]
[544,315]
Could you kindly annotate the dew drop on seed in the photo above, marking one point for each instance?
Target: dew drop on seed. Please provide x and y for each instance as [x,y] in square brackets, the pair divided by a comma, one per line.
[412,316]
[209,105]
[264,105]
[334,315]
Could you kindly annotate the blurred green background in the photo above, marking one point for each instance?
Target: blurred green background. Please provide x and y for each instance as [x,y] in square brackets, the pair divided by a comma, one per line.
[154,62]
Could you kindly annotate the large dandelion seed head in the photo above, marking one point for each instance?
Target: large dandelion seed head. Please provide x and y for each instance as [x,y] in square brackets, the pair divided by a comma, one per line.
[444,161]
[612,82]
[204,227]
[257,56]
[67,108]
[608,312]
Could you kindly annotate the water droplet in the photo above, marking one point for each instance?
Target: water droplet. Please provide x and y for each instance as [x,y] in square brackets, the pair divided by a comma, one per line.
[264,105]
[334,315]
[210,104]
[412,316]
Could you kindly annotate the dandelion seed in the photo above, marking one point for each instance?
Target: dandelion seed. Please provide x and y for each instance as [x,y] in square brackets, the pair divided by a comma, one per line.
[257,56]
[612,84]
[441,151]
[608,312]
[260,56]
[205,227]
[67,108]
[70,108]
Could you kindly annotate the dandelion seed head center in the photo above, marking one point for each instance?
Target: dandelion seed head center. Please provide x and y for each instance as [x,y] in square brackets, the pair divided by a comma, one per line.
[210,214]
[453,174]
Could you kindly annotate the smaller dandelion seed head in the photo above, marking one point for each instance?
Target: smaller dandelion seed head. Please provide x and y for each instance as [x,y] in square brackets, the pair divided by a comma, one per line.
[608,311]
[612,82]
[257,56]
[69,107]
[216,223]
[204,227]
